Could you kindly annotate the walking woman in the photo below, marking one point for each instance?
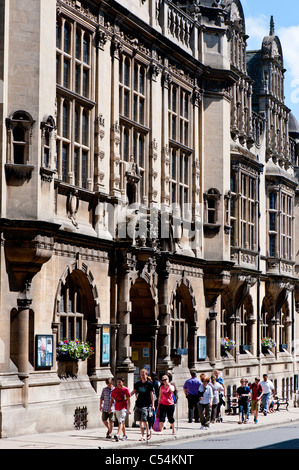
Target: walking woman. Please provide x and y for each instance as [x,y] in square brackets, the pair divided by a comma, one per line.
[166,404]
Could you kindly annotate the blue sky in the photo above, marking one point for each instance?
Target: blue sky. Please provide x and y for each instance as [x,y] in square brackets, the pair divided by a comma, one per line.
[286,19]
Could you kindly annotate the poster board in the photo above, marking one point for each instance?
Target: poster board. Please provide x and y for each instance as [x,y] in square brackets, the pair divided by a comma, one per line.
[43,351]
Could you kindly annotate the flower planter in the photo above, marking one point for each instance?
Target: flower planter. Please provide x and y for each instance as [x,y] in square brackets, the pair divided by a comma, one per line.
[265,350]
[67,368]
[223,351]
[227,345]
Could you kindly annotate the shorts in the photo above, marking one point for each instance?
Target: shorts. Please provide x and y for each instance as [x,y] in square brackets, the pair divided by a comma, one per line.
[254,405]
[121,415]
[106,416]
[142,414]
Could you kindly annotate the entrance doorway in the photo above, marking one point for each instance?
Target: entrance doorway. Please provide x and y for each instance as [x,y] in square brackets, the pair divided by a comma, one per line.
[143,338]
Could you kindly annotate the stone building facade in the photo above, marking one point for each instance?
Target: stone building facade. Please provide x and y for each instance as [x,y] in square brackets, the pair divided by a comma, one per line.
[148,201]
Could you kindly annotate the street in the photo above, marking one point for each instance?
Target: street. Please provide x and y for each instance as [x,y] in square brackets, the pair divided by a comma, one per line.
[281,437]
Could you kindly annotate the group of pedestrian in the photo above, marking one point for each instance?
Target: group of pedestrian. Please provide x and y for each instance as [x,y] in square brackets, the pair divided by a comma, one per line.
[258,394]
[152,397]
[205,397]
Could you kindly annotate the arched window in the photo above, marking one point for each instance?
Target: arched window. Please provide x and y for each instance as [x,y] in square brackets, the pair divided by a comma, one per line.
[224,327]
[211,197]
[19,144]
[179,333]
[71,311]
[19,127]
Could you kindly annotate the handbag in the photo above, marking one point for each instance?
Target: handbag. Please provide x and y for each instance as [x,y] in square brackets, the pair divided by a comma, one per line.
[156,425]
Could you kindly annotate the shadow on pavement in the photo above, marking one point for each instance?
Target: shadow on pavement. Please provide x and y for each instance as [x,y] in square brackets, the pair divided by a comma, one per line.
[291,444]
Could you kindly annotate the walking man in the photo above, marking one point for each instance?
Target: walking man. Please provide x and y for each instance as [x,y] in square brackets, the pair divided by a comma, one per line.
[268,389]
[121,396]
[190,388]
[104,407]
[256,395]
[144,406]
[243,393]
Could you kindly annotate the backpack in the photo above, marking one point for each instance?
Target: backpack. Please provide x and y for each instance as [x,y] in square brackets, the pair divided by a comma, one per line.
[175,394]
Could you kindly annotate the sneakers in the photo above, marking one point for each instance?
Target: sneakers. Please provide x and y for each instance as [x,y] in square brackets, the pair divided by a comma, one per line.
[118,438]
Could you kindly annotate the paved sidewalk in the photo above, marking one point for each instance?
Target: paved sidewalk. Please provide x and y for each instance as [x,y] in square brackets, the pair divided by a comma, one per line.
[95,438]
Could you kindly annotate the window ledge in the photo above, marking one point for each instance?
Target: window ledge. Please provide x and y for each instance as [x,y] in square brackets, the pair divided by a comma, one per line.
[18,171]
[211,229]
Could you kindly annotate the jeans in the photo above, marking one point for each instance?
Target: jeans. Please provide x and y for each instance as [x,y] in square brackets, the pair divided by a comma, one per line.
[265,401]
[244,409]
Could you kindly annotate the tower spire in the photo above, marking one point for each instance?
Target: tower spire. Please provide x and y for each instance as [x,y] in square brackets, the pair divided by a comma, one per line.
[272,27]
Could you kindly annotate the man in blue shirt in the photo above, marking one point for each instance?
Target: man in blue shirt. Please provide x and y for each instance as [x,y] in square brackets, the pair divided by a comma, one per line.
[191,387]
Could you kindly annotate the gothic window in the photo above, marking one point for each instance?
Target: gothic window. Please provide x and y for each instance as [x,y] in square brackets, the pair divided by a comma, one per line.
[211,197]
[179,117]
[72,307]
[180,180]
[47,129]
[272,224]
[280,225]
[243,325]
[133,111]
[286,226]
[265,323]
[179,114]
[179,327]
[19,127]
[244,205]
[224,327]
[75,102]
[19,144]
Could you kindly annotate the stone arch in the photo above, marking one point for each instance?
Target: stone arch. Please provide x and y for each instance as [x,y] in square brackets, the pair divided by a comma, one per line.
[84,269]
[144,322]
[77,286]
[183,323]
[148,278]
[183,281]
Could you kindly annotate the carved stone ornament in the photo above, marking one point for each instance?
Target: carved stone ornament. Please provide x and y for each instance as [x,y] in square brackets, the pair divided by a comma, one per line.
[72,207]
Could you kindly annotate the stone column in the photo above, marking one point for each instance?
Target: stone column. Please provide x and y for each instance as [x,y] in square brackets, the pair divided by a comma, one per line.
[211,336]
[250,325]
[22,353]
[124,364]
[164,362]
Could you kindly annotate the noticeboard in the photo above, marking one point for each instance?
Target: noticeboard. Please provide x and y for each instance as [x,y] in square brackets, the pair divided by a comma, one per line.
[201,348]
[105,344]
[43,351]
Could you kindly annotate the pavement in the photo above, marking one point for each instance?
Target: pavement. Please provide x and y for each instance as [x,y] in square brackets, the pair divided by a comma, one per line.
[95,438]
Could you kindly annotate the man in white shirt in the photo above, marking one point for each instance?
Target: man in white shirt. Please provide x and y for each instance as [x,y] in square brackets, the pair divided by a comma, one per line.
[268,389]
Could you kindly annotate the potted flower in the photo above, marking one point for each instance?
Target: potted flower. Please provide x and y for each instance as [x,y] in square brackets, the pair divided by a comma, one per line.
[226,345]
[267,344]
[71,355]
[73,350]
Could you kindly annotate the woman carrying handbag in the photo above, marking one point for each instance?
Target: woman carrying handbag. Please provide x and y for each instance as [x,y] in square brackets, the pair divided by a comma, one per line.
[166,404]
